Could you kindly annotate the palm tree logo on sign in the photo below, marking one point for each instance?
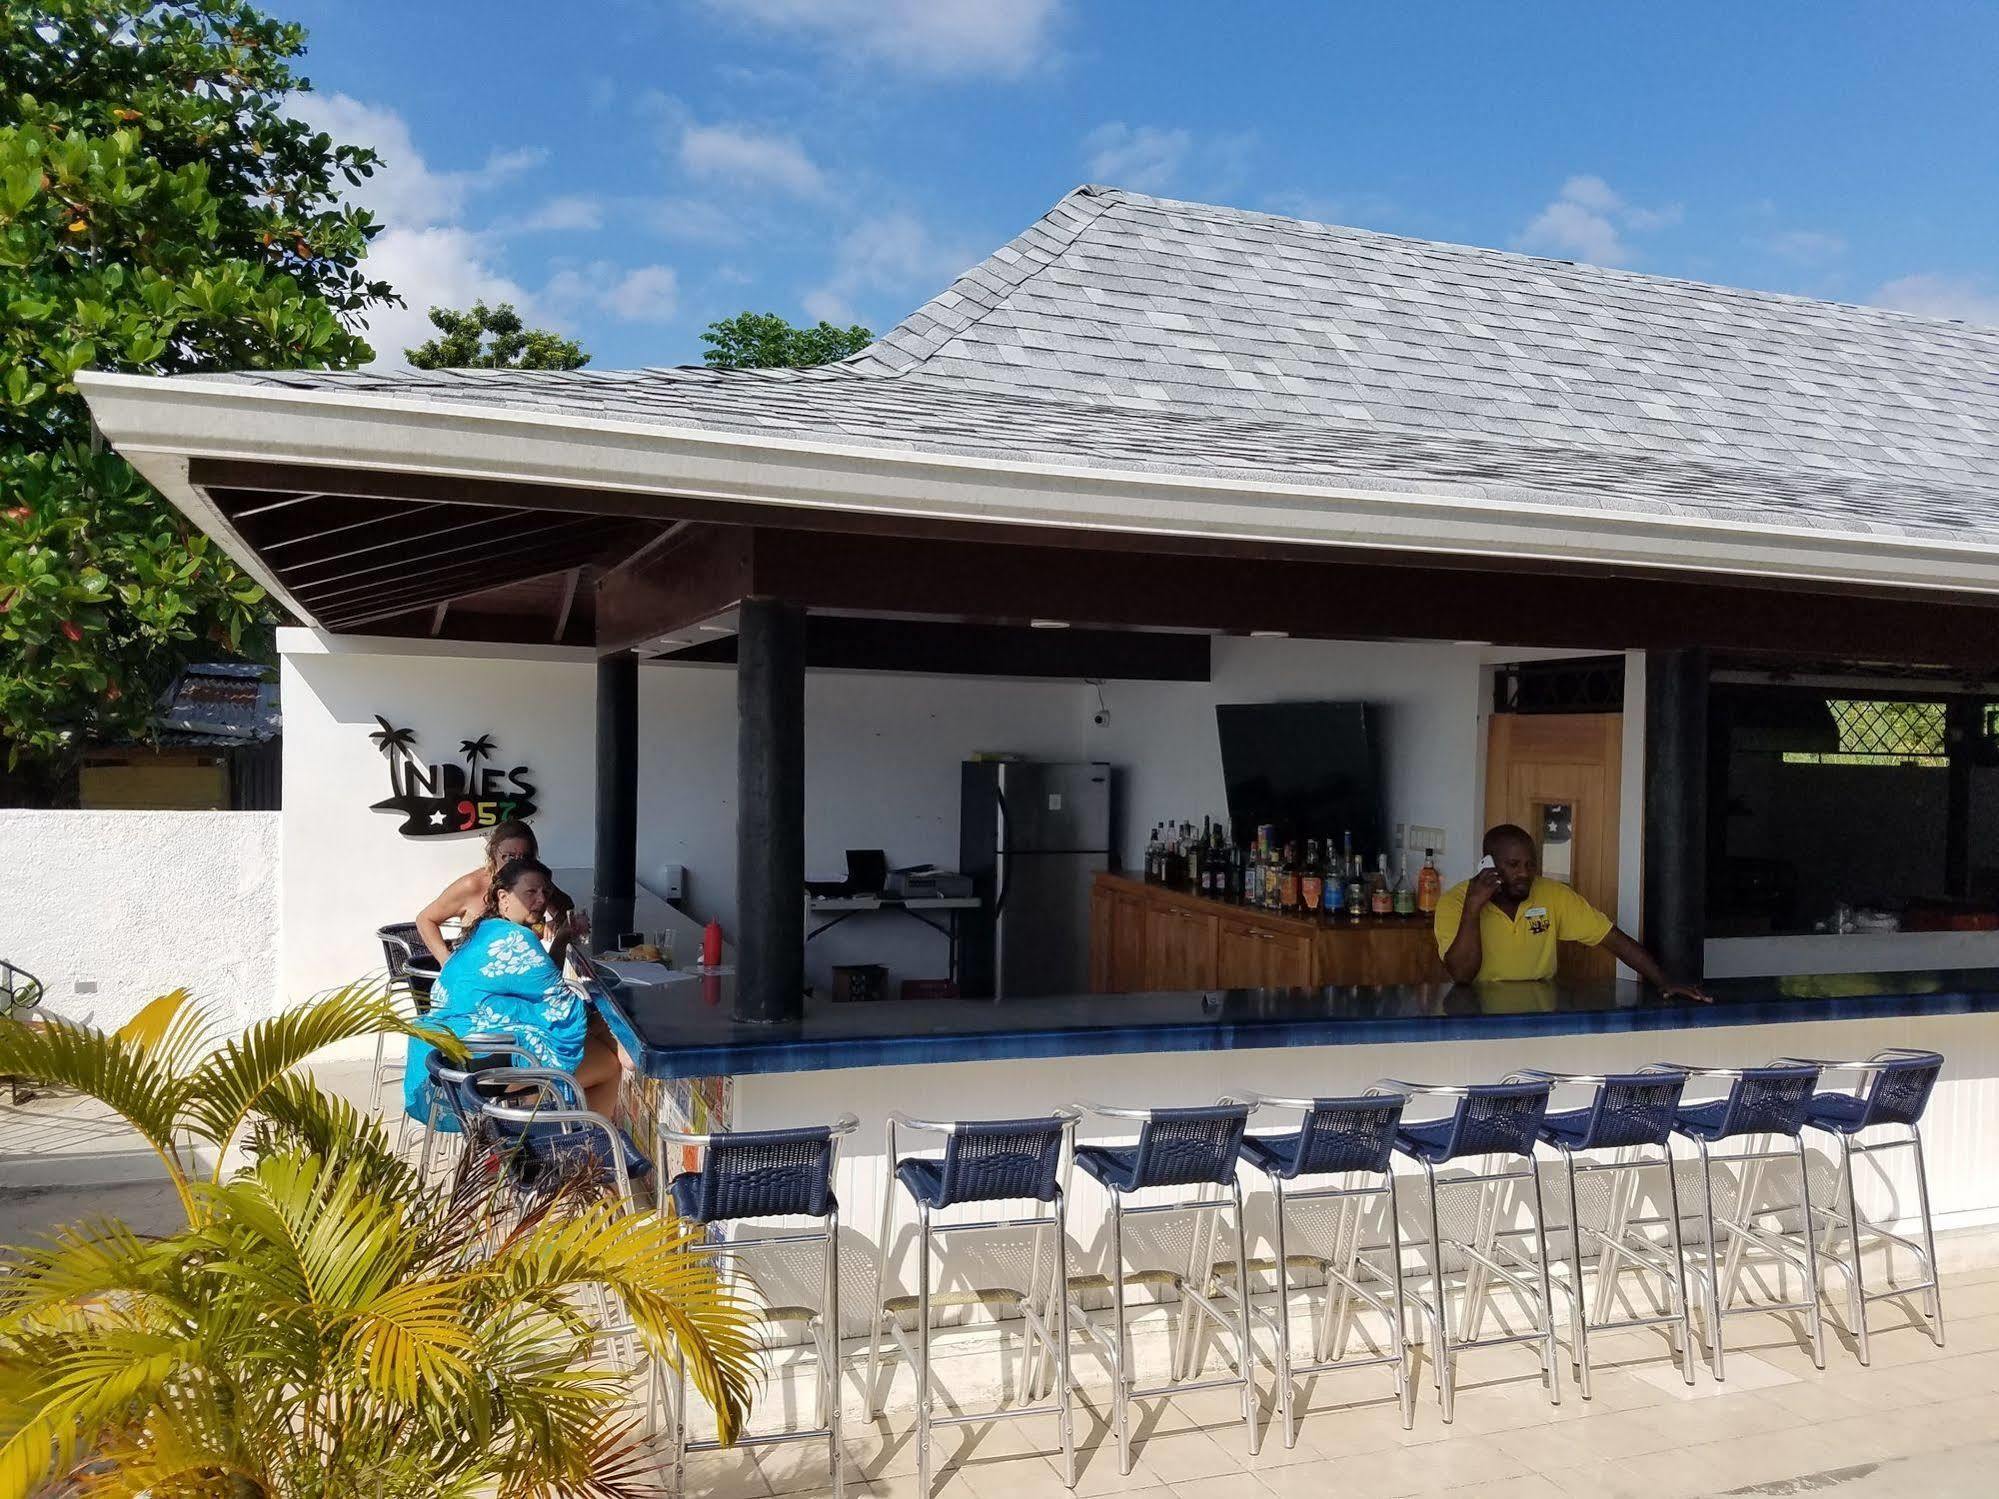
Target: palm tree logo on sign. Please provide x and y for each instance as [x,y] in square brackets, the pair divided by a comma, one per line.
[447,799]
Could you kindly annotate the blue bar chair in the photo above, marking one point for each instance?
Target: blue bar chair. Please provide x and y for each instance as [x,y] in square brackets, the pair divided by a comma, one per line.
[1346,1138]
[1890,1089]
[1498,1120]
[542,1129]
[1187,1147]
[759,1175]
[1627,1113]
[982,1161]
[453,1099]
[1766,1101]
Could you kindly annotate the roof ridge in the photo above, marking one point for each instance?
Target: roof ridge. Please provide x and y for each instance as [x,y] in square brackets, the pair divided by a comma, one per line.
[988,285]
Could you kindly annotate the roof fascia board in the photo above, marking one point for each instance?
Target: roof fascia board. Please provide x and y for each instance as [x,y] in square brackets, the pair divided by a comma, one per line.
[152,418]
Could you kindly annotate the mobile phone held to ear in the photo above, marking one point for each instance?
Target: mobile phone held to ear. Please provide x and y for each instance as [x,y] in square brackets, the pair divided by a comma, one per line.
[1486,863]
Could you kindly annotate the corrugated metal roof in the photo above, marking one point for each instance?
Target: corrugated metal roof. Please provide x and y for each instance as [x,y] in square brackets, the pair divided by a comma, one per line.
[219,703]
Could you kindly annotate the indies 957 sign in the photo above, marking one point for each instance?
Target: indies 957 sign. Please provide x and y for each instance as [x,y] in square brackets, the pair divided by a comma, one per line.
[446,799]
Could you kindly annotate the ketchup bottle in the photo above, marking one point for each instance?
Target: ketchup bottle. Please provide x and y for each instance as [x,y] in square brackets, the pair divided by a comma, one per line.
[711,945]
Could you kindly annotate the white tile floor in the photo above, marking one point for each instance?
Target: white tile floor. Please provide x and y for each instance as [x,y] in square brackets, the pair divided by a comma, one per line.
[1920,1421]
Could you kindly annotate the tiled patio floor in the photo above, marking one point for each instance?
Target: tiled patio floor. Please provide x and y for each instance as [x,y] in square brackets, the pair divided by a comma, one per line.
[1922,1421]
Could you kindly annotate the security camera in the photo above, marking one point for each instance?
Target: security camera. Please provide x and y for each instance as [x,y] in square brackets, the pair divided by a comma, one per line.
[1101,717]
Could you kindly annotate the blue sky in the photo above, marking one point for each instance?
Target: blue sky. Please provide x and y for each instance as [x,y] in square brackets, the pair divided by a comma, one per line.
[639,167]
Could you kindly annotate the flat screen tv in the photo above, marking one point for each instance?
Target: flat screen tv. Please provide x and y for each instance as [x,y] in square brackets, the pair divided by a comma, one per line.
[1313,769]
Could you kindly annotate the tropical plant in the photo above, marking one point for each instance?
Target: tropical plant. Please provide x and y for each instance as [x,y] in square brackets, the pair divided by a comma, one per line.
[493,338]
[763,340]
[323,1325]
[161,212]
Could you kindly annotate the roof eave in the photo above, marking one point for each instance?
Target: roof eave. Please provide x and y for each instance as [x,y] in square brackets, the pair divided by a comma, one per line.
[159,424]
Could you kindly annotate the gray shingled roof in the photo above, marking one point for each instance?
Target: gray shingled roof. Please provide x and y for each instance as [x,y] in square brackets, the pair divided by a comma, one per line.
[1137,333]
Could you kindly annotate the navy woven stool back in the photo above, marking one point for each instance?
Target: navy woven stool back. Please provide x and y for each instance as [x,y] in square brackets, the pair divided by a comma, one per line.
[1761,1101]
[772,1173]
[1490,1119]
[1901,1089]
[458,1088]
[992,1159]
[1633,1108]
[1187,1147]
[1344,1134]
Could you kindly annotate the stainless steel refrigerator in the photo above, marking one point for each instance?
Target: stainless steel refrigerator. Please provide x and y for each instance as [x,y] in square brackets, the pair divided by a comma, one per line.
[1032,836]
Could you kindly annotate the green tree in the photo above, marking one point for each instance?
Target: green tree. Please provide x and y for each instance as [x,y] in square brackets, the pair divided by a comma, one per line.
[466,346]
[763,340]
[160,214]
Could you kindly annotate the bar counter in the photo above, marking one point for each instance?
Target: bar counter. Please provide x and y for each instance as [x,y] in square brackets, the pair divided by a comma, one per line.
[683,1028]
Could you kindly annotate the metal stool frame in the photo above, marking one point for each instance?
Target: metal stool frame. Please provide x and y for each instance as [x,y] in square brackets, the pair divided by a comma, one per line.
[1115,1344]
[398,946]
[1482,1262]
[1356,1263]
[446,1081]
[824,1330]
[1868,1109]
[1767,1102]
[888,1323]
[1615,1245]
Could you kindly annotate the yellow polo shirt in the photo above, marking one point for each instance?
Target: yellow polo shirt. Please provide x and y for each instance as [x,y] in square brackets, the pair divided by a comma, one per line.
[1523,947]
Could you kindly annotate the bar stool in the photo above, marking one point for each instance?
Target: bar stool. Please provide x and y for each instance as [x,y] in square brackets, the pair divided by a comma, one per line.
[1627,1113]
[1768,1101]
[1184,1147]
[453,1098]
[759,1174]
[989,1160]
[1487,1119]
[1337,1137]
[400,941]
[1890,1088]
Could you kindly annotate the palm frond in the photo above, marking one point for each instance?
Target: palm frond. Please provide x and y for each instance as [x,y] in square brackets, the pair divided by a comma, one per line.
[173,1031]
[231,1082]
[83,1265]
[294,1114]
[123,1075]
[88,1385]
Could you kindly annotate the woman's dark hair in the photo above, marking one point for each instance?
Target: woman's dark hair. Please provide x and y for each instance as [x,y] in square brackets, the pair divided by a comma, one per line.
[504,832]
[506,877]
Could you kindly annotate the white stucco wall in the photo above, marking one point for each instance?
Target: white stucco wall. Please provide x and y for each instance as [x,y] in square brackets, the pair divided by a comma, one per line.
[110,909]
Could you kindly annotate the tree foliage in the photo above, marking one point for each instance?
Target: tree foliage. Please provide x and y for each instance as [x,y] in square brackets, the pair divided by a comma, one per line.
[493,338]
[763,340]
[325,1322]
[159,214]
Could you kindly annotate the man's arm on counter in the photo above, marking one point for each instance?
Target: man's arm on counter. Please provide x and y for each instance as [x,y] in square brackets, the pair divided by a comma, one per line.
[1634,956]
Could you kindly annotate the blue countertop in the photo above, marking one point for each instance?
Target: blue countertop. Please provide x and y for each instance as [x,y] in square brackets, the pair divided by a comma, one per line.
[684,1029]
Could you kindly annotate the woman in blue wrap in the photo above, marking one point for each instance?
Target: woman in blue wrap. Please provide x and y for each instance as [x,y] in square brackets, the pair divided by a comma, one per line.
[501,979]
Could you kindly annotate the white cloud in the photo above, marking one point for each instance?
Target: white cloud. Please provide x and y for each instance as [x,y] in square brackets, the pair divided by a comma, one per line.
[437,266]
[1144,158]
[694,221]
[1588,221]
[751,158]
[935,37]
[568,211]
[404,192]
[641,294]
[1803,246]
[891,254]
[1970,299]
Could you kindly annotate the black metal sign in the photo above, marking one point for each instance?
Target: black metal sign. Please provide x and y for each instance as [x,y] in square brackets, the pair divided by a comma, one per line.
[448,799]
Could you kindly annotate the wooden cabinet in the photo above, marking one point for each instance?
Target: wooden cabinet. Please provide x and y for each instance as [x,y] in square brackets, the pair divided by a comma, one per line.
[1146,938]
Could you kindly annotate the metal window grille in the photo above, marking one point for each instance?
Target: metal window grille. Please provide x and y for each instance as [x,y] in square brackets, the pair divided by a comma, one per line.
[1880,731]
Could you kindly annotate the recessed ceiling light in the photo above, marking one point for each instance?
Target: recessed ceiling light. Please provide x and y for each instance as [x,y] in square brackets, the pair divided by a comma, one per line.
[1471,642]
[676,642]
[1049,624]
[716,629]
[1269,634]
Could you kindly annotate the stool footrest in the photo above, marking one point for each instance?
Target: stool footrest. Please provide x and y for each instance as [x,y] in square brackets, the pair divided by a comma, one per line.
[1187,1387]
[970,1418]
[977,1296]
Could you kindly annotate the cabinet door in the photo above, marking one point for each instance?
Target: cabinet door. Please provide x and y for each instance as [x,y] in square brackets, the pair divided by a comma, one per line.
[1164,955]
[1197,950]
[1103,913]
[1239,954]
[1287,960]
[1127,943]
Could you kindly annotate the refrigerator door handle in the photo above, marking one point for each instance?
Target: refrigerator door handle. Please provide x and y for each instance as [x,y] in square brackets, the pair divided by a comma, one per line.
[1005,852]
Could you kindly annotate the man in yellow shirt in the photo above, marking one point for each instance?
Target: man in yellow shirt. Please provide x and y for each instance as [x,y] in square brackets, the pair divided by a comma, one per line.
[1516,919]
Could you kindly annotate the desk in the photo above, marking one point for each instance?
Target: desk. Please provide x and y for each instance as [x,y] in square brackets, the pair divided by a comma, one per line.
[830,910]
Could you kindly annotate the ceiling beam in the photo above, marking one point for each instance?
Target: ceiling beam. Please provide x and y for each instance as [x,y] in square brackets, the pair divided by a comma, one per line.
[692,574]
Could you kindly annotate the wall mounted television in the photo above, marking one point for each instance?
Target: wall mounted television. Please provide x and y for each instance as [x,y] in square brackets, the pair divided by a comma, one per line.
[1312,769]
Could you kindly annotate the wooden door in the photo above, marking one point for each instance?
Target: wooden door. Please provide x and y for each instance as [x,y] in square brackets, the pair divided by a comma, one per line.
[1556,774]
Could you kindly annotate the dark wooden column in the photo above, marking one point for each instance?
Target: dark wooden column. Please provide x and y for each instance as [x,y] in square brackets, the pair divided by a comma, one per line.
[770,811]
[617,797]
[1676,791]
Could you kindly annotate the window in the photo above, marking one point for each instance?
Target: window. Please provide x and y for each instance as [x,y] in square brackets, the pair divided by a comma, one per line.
[1874,731]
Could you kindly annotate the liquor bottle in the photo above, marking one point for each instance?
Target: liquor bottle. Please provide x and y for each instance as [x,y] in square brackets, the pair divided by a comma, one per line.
[1405,898]
[1356,889]
[1155,853]
[1335,896]
[1311,880]
[1273,879]
[1289,879]
[1199,876]
[1429,883]
[1381,895]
